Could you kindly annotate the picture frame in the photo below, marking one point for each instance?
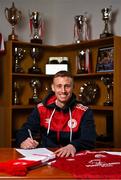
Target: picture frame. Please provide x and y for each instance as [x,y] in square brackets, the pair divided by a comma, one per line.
[105,59]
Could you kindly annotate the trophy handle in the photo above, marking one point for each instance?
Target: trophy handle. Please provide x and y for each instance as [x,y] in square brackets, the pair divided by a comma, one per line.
[19,15]
[6,13]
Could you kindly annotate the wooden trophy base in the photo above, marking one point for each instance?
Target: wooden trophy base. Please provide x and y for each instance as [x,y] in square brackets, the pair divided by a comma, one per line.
[13,37]
[36,41]
[34,70]
[105,35]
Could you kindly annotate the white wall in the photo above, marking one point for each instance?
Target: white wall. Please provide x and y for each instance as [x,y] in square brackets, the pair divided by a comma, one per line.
[59,18]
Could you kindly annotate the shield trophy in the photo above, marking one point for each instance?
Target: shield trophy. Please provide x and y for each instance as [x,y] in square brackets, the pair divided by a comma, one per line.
[36,27]
[13,15]
[106,16]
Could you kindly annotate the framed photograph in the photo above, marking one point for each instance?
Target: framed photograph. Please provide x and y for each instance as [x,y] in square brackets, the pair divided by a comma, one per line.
[105,60]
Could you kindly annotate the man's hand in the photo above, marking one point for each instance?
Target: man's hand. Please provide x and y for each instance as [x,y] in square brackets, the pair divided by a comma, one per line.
[66,151]
[29,143]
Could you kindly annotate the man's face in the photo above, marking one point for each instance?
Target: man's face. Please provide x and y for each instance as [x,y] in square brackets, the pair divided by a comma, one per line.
[63,87]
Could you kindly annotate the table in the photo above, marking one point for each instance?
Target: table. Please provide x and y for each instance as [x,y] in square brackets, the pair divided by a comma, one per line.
[45,172]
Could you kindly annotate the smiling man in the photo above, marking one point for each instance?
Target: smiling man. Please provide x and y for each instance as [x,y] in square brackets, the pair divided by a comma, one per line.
[61,121]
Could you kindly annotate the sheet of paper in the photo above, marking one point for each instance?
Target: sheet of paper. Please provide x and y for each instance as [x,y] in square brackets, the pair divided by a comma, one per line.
[37,154]
[114,153]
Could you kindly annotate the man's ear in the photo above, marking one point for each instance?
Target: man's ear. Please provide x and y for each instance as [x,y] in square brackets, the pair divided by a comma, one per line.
[52,86]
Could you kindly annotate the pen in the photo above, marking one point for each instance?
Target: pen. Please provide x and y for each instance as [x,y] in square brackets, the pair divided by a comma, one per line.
[30,134]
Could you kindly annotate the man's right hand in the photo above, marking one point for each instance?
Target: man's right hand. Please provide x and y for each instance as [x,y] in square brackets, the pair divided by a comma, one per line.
[29,143]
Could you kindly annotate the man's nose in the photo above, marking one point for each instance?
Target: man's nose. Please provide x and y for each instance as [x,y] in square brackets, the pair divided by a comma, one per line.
[63,88]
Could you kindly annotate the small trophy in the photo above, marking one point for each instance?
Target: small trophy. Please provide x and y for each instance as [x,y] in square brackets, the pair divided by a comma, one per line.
[19,54]
[35,85]
[83,62]
[16,91]
[80,28]
[36,54]
[36,27]
[108,82]
[13,16]
[106,13]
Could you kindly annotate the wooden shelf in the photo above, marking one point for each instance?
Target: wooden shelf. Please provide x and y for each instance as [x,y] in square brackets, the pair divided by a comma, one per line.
[101,108]
[23,106]
[13,116]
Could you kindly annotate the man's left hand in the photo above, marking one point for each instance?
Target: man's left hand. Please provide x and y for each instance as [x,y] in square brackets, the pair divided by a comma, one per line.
[66,151]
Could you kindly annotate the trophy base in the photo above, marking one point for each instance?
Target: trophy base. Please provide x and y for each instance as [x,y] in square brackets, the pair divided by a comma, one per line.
[108,103]
[82,71]
[16,102]
[33,101]
[18,70]
[105,35]
[34,70]
[13,37]
[36,41]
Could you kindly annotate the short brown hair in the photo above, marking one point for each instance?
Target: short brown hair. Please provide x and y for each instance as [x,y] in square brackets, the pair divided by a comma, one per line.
[63,74]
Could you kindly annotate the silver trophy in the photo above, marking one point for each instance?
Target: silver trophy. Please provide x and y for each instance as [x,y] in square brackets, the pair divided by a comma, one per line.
[106,16]
[36,54]
[108,82]
[36,27]
[17,92]
[81,28]
[35,85]
[19,55]
[80,62]
[13,16]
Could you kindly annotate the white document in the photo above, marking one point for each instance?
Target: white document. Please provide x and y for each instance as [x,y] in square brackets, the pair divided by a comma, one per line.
[36,154]
[114,153]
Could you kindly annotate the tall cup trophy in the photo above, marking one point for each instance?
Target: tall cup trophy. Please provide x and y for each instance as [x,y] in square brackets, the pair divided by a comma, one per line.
[19,54]
[36,54]
[17,91]
[80,28]
[35,85]
[106,16]
[36,27]
[108,82]
[13,16]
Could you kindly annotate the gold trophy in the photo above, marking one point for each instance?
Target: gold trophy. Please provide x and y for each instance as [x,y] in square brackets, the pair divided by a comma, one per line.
[13,16]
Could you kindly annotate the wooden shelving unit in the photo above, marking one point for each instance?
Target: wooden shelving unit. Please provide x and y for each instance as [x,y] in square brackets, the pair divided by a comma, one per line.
[107,118]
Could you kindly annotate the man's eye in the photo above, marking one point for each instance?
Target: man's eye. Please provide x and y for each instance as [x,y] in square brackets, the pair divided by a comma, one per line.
[59,86]
[68,86]
[65,86]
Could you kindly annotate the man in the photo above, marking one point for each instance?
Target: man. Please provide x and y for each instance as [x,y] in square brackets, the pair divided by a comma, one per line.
[62,122]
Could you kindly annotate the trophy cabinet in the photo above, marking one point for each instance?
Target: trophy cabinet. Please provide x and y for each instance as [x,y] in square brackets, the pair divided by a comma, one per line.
[21,87]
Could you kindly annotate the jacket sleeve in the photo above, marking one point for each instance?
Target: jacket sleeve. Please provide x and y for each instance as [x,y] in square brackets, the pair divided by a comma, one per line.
[87,133]
[32,123]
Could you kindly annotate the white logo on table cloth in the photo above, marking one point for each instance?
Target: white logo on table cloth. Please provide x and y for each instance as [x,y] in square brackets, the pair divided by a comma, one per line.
[99,163]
